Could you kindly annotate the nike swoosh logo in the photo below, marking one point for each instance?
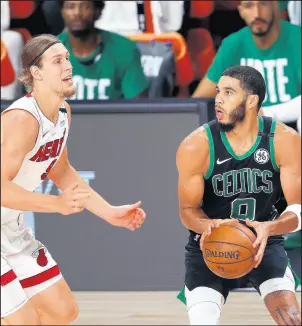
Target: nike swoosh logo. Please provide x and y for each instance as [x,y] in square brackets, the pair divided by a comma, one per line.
[45,134]
[220,162]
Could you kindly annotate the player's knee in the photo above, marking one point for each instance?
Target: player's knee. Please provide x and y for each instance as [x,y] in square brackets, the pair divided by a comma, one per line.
[70,313]
[204,313]
[204,306]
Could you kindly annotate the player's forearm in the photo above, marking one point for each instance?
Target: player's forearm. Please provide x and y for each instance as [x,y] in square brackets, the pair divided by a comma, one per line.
[95,204]
[286,223]
[17,198]
[194,219]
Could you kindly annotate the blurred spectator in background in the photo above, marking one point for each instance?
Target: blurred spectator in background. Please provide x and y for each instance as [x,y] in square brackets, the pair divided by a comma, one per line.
[294,12]
[53,16]
[133,17]
[13,43]
[272,46]
[105,65]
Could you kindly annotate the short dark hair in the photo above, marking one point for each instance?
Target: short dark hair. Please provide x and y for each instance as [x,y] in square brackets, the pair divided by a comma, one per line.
[97,3]
[250,79]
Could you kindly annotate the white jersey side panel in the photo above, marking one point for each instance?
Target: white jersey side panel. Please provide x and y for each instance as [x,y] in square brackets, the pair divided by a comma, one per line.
[35,167]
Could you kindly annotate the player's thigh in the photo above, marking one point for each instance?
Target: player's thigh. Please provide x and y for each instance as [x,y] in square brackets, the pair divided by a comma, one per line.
[15,306]
[56,304]
[43,283]
[205,292]
[276,283]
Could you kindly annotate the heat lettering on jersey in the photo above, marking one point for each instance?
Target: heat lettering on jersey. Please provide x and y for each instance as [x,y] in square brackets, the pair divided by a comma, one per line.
[49,150]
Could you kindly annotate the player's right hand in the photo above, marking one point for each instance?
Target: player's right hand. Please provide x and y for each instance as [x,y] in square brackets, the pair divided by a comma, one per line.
[215,223]
[72,200]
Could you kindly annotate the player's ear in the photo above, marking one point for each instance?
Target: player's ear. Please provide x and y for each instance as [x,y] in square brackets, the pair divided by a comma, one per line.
[36,73]
[252,101]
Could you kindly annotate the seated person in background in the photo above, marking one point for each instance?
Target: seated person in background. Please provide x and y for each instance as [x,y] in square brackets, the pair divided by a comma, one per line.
[105,65]
[14,45]
[270,45]
[129,17]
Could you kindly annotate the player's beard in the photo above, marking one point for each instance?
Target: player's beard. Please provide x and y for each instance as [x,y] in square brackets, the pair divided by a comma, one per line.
[69,92]
[235,117]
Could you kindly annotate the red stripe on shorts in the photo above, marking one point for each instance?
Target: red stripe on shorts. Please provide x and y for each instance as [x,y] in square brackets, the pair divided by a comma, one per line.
[8,277]
[40,278]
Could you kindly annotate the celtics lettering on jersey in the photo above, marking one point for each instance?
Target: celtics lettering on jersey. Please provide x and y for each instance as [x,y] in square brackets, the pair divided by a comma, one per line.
[241,181]
[246,186]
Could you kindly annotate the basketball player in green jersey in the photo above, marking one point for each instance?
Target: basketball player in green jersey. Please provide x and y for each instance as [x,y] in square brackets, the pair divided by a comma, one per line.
[105,65]
[233,169]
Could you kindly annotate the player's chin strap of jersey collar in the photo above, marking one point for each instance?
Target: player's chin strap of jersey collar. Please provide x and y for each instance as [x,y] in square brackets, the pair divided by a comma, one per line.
[41,53]
[296,209]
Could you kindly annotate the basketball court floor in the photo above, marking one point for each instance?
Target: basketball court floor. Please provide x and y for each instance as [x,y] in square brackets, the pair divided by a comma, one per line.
[163,308]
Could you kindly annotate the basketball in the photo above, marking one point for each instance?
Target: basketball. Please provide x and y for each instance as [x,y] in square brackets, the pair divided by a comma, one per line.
[228,251]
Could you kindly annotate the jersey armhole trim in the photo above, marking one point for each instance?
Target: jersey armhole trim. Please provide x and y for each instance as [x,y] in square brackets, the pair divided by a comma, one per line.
[272,146]
[212,153]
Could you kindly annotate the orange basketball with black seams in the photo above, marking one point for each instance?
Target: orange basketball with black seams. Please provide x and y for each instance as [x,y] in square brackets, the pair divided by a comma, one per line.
[228,251]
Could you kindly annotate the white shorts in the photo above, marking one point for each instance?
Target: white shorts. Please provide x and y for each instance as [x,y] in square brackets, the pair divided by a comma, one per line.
[26,274]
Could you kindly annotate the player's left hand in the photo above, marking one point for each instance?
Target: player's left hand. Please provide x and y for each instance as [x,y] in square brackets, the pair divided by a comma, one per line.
[262,236]
[128,216]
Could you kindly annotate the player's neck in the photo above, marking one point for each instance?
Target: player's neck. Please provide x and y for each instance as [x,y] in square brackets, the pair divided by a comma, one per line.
[265,42]
[49,104]
[245,132]
[83,47]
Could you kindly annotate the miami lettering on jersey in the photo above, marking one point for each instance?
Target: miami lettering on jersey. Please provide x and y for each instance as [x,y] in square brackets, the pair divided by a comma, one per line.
[243,180]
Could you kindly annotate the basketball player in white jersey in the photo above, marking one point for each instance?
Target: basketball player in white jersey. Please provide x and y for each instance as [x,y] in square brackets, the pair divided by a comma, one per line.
[33,147]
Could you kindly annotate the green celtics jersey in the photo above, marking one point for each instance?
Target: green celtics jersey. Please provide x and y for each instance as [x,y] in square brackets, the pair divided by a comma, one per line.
[112,71]
[280,64]
[242,187]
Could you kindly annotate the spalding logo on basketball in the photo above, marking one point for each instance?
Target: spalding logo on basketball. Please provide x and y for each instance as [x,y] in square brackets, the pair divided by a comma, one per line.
[261,156]
[228,251]
[40,255]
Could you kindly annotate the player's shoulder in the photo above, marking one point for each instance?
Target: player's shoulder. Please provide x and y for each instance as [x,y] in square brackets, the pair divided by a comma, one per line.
[286,138]
[196,143]
[284,132]
[19,119]
[22,108]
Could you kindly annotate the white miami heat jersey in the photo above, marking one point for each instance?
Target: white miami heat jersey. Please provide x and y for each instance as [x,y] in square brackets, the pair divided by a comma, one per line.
[51,140]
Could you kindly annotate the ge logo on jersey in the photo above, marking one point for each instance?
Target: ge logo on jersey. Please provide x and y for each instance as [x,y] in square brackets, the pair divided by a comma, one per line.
[261,156]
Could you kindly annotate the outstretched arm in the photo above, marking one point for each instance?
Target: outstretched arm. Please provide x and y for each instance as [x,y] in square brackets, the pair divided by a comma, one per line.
[63,175]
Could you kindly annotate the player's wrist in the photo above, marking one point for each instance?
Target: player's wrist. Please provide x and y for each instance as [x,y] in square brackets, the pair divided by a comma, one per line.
[51,203]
